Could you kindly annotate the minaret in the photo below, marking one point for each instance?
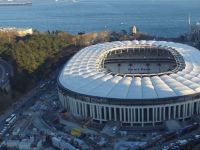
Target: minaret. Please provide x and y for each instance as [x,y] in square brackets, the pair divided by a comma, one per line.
[189,28]
[189,24]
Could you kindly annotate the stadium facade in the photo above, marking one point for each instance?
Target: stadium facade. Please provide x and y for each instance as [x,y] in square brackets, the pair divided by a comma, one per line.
[138,83]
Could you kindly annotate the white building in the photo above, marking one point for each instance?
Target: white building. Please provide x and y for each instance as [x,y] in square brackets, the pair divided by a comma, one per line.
[25,145]
[61,144]
[17,31]
[134,30]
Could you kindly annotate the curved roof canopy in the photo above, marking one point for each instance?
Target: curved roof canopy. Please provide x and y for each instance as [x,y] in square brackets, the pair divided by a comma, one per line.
[83,75]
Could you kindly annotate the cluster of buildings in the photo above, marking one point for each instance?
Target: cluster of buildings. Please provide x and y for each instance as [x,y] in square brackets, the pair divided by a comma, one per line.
[24,144]
[14,138]
[71,144]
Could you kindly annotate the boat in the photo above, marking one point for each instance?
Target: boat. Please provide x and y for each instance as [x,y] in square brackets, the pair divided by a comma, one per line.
[15,2]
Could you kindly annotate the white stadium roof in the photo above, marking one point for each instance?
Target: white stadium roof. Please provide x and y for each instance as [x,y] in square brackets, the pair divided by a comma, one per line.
[82,74]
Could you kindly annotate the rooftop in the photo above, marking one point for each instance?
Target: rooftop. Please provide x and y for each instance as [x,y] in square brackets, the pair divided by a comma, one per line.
[83,75]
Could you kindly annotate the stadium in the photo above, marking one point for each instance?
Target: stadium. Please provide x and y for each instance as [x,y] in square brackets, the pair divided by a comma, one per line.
[136,83]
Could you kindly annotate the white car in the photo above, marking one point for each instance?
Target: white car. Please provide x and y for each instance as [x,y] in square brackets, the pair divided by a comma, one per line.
[197,136]
[165,148]
[182,142]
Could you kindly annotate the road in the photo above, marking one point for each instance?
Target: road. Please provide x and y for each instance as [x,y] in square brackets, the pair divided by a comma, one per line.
[5,72]
[27,100]
[17,107]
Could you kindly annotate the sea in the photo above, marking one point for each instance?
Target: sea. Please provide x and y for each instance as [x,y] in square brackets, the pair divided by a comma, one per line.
[167,18]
